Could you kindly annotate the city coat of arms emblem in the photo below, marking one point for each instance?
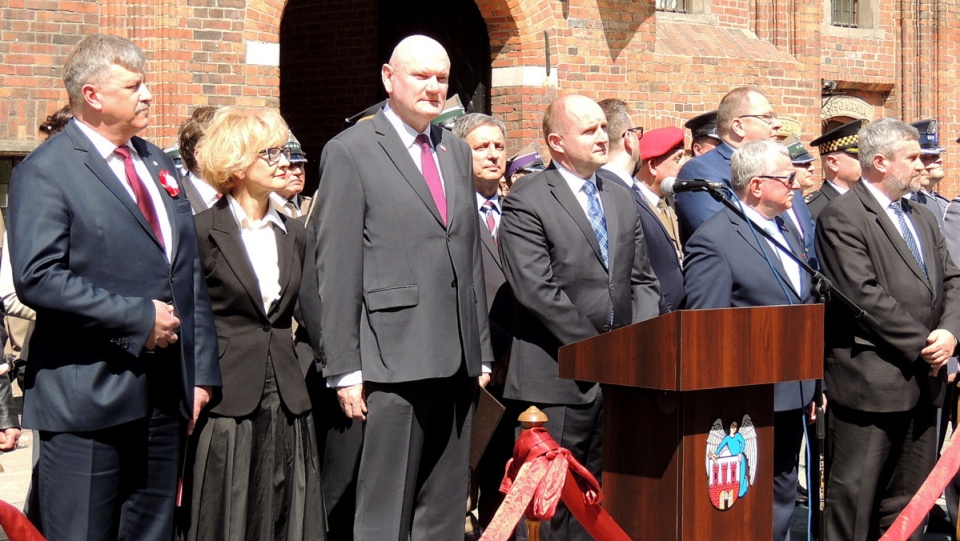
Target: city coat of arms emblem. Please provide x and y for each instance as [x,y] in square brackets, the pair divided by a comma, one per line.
[731,461]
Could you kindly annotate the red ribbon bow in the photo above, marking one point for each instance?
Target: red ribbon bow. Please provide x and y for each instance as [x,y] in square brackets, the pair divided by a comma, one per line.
[537,477]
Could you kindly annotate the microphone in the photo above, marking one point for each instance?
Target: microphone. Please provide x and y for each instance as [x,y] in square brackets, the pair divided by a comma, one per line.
[673,185]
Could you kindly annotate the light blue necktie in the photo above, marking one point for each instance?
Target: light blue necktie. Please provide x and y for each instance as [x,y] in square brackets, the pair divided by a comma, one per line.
[597,221]
[907,235]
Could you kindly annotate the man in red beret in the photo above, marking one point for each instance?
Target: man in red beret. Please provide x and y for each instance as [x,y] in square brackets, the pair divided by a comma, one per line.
[661,156]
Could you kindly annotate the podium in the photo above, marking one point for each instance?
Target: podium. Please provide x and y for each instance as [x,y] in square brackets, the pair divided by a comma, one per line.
[665,382]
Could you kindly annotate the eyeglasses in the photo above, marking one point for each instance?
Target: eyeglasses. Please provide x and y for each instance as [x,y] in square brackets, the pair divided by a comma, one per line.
[786,180]
[637,130]
[768,118]
[272,155]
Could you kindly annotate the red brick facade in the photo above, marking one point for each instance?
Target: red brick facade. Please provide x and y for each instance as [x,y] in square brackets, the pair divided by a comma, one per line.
[319,60]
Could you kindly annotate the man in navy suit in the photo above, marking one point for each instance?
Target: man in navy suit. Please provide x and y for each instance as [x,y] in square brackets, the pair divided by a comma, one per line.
[664,154]
[744,115]
[727,265]
[105,250]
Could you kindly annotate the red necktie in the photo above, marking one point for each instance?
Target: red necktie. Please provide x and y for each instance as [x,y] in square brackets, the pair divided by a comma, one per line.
[144,201]
[489,208]
[432,176]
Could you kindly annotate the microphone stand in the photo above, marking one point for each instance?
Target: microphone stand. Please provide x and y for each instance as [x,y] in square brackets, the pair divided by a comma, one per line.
[823,289]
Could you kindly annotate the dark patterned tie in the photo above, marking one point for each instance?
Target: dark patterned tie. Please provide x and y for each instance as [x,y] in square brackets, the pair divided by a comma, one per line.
[432,176]
[907,234]
[144,201]
[597,221]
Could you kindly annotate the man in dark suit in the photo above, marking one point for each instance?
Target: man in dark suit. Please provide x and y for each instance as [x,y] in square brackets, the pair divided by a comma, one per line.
[729,265]
[484,135]
[574,256]
[885,382]
[650,156]
[839,150]
[104,248]
[404,323]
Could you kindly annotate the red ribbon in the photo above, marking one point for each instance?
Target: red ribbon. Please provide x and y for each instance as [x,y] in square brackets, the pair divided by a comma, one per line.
[537,477]
[16,525]
[916,511]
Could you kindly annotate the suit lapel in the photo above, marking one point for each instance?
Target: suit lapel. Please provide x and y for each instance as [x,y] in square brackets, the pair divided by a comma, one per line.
[398,154]
[889,229]
[487,241]
[225,234]
[561,191]
[98,166]
[927,243]
[449,171]
[154,168]
[610,214]
[285,250]
[767,252]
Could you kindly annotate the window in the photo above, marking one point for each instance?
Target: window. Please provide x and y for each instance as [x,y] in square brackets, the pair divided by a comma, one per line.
[845,13]
[673,6]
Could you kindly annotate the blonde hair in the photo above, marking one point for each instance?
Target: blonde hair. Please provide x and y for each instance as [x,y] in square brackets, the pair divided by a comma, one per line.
[233,141]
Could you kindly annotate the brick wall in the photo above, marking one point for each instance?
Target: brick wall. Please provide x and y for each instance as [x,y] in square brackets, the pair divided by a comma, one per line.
[668,67]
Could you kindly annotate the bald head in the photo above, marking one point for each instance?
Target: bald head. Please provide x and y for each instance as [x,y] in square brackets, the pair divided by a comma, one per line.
[416,79]
[574,128]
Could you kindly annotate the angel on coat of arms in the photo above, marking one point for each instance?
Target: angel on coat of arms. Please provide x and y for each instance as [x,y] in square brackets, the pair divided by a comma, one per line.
[731,461]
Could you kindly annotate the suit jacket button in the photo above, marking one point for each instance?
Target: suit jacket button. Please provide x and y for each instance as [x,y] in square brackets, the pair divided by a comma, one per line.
[173,278]
[453,283]
[605,328]
[612,287]
[266,328]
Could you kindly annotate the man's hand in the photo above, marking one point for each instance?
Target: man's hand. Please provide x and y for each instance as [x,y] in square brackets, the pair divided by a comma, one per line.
[940,346]
[164,327]
[484,379]
[201,397]
[353,401]
[9,438]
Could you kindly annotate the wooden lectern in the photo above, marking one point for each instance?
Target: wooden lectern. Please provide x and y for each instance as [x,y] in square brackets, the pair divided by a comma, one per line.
[665,382]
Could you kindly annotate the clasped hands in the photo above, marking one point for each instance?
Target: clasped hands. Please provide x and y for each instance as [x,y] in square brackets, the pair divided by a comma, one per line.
[940,346]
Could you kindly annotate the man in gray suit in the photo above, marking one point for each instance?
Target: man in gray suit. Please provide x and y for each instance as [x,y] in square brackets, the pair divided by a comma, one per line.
[574,255]
[404,318]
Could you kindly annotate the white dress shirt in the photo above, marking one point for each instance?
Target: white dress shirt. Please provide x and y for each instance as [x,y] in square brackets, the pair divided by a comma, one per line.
[261,244]
[576,186]
[884,202]
[105,148]
[791,267]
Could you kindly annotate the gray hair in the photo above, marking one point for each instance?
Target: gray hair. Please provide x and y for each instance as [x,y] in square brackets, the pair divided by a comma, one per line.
[753,159]
[881,137]
[471,121]
[92,58]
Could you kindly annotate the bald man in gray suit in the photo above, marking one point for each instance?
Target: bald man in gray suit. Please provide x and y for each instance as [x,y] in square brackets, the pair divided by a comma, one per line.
[404,317]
